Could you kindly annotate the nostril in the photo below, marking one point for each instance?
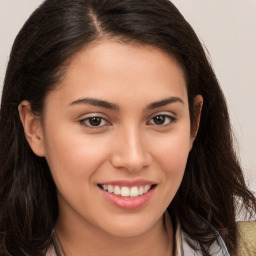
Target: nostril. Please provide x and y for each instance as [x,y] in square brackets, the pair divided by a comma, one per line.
[130,162]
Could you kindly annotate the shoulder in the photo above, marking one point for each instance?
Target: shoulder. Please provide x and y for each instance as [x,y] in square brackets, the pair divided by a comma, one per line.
[183,242]
[218,248]
[246,238]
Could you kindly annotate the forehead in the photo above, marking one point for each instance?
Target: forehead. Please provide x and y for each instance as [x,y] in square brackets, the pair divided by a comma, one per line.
[112,69]
[111,53]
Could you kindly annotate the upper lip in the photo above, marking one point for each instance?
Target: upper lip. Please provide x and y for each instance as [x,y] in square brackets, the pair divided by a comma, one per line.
[128,183]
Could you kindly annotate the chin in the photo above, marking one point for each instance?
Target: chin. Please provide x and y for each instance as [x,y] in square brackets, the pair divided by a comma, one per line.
[130,226]
[127,232]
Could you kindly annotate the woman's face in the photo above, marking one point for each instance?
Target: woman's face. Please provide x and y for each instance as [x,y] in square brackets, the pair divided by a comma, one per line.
[117,123]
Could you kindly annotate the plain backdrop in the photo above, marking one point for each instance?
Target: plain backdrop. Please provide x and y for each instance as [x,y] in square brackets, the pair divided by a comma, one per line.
[228,31]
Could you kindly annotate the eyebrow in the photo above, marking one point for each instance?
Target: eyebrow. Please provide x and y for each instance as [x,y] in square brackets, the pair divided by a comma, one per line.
[164,102]
[112,106]
[95,102]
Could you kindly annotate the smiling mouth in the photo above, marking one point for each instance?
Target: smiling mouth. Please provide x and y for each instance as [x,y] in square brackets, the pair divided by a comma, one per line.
[124,191]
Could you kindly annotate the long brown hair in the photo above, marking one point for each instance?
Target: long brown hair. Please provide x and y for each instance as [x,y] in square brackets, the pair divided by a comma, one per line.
[58,29]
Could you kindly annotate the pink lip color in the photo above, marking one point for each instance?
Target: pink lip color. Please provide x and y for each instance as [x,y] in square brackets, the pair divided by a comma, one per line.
[128,203]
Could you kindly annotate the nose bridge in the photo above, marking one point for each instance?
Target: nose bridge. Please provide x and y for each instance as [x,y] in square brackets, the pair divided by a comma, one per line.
[130,151]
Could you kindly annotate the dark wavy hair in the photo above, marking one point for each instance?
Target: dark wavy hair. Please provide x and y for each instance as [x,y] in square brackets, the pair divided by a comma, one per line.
[213,180]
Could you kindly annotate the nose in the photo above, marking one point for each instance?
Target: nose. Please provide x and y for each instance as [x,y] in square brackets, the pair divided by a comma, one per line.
[130,151]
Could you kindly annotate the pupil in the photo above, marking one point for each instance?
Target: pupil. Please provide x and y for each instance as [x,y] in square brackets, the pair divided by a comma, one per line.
[95,121]
[159,119]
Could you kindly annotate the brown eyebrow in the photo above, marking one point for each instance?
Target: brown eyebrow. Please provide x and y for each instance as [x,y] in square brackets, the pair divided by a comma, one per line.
[164,102]
[95,102]
[112,106]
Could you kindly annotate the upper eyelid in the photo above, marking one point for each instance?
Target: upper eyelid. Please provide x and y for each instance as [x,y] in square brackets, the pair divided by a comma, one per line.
[92,114]
[163,113]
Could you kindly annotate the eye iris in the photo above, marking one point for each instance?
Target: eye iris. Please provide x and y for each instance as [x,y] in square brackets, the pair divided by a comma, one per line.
[159,119]
[95,121]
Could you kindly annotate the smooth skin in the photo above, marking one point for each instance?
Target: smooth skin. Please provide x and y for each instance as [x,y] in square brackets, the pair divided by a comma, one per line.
[120,113]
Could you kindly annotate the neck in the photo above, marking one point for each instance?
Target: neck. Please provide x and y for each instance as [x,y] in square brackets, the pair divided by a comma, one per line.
[79,238]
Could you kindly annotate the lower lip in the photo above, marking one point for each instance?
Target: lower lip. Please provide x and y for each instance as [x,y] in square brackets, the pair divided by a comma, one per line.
[128,203]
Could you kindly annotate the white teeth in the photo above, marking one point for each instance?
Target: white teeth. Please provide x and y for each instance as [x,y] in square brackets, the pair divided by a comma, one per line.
[110,189]
[134,192]
[126,191]
[117,190]
[141,191]
[146,189]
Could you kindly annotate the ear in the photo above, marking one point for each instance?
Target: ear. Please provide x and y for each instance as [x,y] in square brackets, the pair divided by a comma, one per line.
[197,108]
[32,128]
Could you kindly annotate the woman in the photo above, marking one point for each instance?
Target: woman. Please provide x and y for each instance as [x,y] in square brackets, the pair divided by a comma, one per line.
[115,136]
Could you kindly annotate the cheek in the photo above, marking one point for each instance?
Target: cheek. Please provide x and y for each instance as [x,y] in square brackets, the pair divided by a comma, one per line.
[172,154]
[174,163]
[73,159]
[73,164]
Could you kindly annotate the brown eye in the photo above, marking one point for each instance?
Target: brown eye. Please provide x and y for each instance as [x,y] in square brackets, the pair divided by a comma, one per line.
[94,121]
[159,120]
[162,120]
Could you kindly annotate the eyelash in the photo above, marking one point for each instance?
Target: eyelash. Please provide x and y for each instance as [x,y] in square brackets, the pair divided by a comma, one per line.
[169,118]
[87,121]
[166,119]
